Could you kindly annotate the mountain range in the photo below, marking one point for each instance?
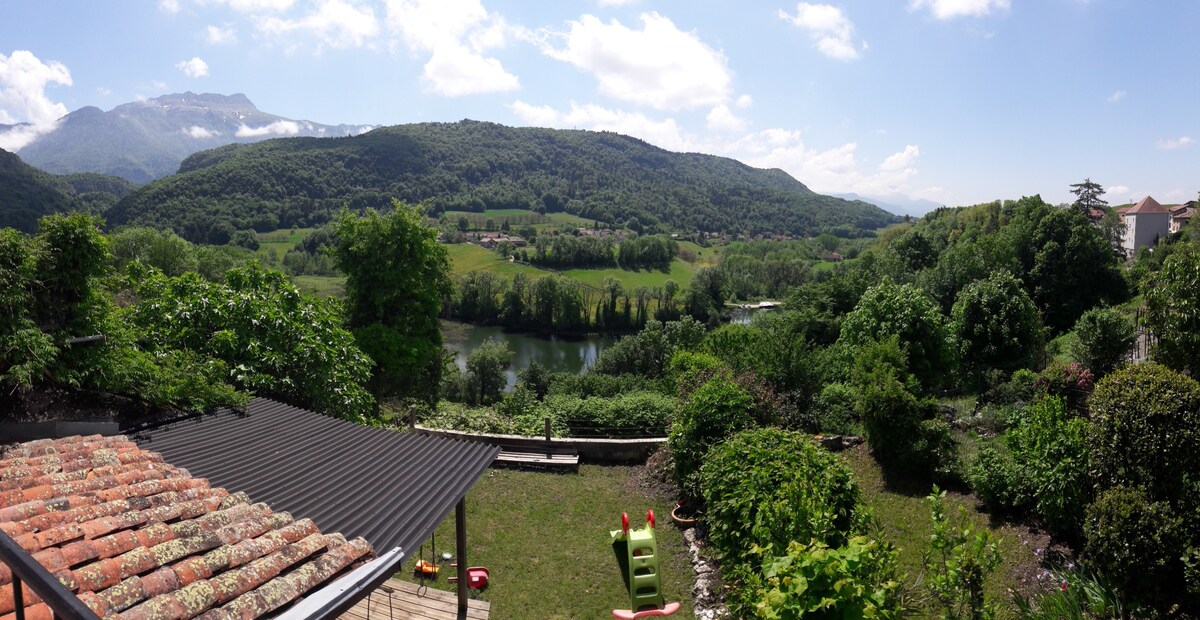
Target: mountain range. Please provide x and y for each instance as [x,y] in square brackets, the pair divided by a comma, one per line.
[146,140]
[896,203]
[473,166]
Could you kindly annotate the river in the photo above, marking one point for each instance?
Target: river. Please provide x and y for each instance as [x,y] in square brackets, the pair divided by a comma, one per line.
[557,353]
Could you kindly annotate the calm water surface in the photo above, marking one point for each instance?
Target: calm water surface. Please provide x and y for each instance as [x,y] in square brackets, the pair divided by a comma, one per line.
[558,353]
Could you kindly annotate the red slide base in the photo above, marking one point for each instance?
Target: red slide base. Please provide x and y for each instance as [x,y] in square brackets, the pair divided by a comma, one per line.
[625,614]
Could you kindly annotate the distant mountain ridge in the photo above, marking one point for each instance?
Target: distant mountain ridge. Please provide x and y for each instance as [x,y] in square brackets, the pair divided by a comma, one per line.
[896,203]
[473,166]
[27,193]
[146,140]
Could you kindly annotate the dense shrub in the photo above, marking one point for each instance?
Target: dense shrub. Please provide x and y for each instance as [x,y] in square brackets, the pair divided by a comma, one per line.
[905,433]
[856,580]
[766,488]
[905,312]
[1071,382]
[688,369]
[834,412]
[1103,336]
[1146,432]
[996,326]
[647,352]
[1173,309]
[1137,543]
[994,479]
[592,384]
[1045,468]
[1019,389]
[634,414]
[716,410]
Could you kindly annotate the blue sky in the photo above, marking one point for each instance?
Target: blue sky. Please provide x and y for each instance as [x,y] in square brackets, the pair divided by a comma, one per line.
[957,101]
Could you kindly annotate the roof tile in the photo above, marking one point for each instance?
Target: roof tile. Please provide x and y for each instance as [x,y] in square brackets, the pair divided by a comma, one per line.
[135,536]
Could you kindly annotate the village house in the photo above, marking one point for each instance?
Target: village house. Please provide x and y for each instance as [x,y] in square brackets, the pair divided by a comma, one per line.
[1145,223]
[490,240]
[1181,215]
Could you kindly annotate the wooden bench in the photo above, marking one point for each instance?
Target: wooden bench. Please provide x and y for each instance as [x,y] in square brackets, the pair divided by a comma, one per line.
[547,456]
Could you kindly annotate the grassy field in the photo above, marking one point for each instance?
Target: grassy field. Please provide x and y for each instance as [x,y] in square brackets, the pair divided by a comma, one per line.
[322,286]
[903,517]
[520,217]
[466,257]
[280,241]
[545,539]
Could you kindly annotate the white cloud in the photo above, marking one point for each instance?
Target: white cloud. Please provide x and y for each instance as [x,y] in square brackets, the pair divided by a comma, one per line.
[23,82]
[836,170]
[950,9]
[454,71]
[1116,96]
[659,66]
[215,35]
[256,6]
[828,27]
[1116,191]
[102,91]
[456,34]
[335,23]
[663,133]
[1171,144]
[158,85]
[745,101]
[194,68]
[428,24]
[200,133]
[278,128]
[902,160]
[169,6]
[721,118]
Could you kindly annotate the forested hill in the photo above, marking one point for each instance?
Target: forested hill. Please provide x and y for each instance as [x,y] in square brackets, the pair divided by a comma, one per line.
[475,166]
[27,193]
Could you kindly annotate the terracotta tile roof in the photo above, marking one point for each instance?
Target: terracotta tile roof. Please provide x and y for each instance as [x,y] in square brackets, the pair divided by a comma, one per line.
[1146,205]
[137,538]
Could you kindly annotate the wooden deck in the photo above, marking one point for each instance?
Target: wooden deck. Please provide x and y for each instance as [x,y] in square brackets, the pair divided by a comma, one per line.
[398,600]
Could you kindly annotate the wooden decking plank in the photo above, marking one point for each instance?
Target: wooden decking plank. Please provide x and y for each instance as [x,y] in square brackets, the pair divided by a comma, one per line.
[406,604]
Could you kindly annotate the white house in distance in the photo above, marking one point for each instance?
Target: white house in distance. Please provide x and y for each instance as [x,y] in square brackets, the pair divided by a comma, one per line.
[1145,222]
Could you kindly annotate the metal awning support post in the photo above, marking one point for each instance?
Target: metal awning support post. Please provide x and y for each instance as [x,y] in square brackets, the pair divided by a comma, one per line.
[460,552]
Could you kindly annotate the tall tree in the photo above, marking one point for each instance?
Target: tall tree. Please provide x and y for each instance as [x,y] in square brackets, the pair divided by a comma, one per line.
[1088,196]
[396,277]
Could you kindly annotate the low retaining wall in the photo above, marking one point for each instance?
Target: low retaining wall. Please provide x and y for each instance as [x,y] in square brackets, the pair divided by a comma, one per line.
[611,451]
[28,431]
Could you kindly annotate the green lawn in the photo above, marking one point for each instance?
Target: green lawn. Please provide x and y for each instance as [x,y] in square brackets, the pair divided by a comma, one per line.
[280,241]
[903,517]
[466,257]
[545,539]
[322,286]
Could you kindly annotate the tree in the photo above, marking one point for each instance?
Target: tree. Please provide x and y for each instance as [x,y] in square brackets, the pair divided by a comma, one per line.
[487,365]
[1174,310]
[1088,196]
[902,310]
[1102,338]
[277,341]
[396,277]
[996,325]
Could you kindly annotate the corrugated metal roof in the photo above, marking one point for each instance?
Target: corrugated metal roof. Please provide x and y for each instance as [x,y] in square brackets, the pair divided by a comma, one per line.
[391,488]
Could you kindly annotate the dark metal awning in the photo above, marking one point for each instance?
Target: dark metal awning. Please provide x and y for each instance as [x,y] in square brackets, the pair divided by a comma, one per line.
[391,488]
